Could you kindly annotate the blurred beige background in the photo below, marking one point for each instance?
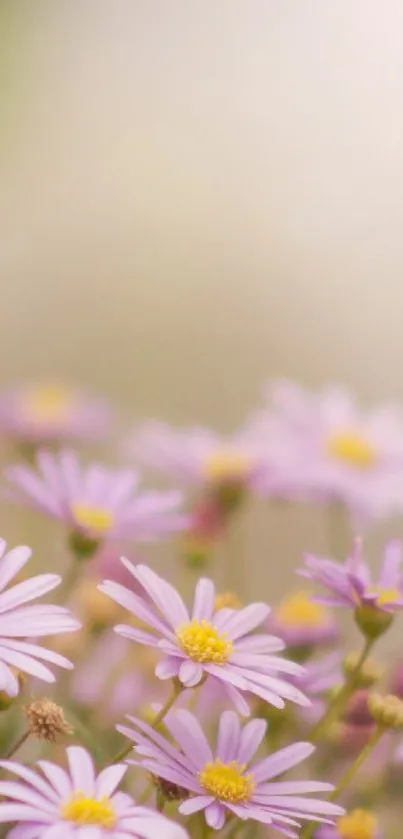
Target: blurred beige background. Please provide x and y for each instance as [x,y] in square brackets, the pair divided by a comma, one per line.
[196,196]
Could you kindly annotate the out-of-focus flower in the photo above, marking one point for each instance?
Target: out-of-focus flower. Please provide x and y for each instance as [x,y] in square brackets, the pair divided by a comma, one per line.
[303,623]
[75,803]
[207,642]
[21,621]
[351,585]
[200,457]
[96,503]
[324,448]
[223,782]
[358,824]
[44,414]
[125,683]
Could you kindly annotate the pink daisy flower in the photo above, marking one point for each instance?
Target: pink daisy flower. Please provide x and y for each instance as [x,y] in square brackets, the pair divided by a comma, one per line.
[206,642]
[199,457]
[96,503]
[223,781]
[322,446]
[48,413]
[302,623]
[76,804]
[21,621]
[351,584]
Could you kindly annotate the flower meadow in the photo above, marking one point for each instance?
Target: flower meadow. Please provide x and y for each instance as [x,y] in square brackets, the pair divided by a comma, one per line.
[157,701]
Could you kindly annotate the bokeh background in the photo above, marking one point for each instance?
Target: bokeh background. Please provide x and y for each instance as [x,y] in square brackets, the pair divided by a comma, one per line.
[197,196]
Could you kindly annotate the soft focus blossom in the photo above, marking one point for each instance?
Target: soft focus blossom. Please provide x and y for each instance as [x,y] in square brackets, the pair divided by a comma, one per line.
[127,681]
[223,781]
[97,503]
[350,584]
[300,622]
[199,457]
[324,448]
[76,803]
[206,642]
[21,621]
[358,824]
[43,414]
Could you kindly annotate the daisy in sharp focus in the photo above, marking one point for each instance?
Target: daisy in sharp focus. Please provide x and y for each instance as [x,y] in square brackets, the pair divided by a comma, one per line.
[324,447]
[56,803]
[47,413]
[20,623]
[224,781]
[351,584]
[207,642]
[96,503]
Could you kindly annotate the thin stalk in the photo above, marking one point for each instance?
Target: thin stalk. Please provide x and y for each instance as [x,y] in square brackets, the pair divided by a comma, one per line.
[156,721]
[20,742]
[341,698]
[310,828]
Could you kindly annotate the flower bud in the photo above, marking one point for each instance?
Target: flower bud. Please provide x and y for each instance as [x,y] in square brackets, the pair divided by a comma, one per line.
[227,600]
[372,622]
[368,675]
[169,790]
[387,711]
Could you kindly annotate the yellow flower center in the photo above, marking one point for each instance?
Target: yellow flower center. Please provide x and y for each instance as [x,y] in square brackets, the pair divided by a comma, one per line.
[227,781]
[202,642]
[353,449]
[227,467]
[385,595]
[299,610]
[48,404]
[360,824]
[227,600]
[82,810]
[97,519]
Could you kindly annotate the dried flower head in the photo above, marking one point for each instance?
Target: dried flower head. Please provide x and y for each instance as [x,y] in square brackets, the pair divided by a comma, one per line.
[387,711]
[46,720]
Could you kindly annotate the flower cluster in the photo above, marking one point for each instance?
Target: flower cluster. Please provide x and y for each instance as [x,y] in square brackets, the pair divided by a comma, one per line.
[202,708]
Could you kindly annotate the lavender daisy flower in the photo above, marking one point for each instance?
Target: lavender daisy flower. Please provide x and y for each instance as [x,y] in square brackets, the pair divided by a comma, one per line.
[76,804]
[207,642]
[223,782]
[21,621]
[52,413]
[199,457]
[323,447]
[351,585]
[302,623]
[96,503]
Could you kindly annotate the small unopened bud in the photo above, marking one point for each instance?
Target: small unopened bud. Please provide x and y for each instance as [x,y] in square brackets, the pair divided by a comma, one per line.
[357,711]
[7,701]
[169,790]
[387,711]
[372,621]
[227,600]
[368,675]
[46,720]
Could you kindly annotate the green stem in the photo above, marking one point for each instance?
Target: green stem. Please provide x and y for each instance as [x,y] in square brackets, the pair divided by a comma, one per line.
[341,698]
[20,742]
[310,828]
[156,721]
